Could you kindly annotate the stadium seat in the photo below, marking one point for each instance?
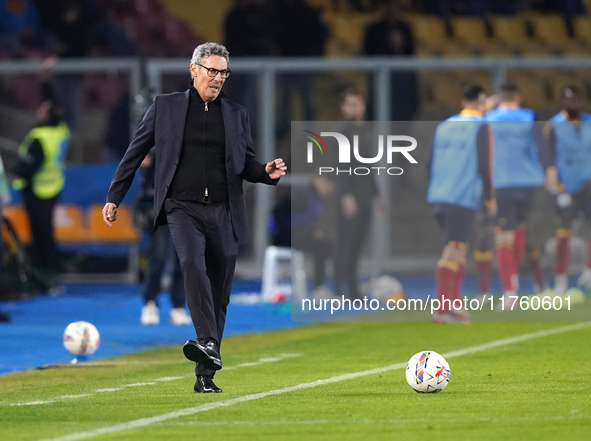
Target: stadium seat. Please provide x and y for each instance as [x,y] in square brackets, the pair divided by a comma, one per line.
[432,38]
[345,31]
[204,17]
[428,30]
[452,49]
[430,34]
[69,225]
[469,30]
[123,232]
[582,27]
[535,91]
[19,218]
[440,90]
[550,30]
[476,76]
[511,33]
[123,229]
[509,29]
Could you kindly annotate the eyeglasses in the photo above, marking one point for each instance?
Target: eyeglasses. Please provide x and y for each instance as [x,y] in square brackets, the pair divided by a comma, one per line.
[213,72]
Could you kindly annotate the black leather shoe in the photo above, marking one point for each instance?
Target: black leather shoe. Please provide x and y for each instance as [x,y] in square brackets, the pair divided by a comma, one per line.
[205,385]
[205,353]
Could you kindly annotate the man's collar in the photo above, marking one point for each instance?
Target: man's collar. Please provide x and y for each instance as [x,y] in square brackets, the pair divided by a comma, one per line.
[568,118]
[195,95]
[471,112]
[509,105]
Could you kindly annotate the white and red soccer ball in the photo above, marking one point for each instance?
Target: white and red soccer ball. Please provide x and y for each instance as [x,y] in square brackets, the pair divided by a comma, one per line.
[427,372]
[81,338]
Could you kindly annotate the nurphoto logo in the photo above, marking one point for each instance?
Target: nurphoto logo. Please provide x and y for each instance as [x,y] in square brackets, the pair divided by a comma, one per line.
[402,144]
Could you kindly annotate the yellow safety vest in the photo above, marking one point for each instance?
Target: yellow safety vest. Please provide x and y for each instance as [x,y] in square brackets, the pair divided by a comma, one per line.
[49,180]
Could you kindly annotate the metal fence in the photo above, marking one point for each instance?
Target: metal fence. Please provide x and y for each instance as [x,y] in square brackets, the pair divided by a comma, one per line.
[150,73]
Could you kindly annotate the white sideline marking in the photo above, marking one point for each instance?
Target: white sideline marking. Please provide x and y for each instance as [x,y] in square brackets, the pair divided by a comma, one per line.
[162,379]
[71,397]
[263,360]
[143,422]
[372,422]
[168,378]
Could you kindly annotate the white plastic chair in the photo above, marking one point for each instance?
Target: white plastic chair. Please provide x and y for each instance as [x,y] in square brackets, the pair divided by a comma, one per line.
[271,274]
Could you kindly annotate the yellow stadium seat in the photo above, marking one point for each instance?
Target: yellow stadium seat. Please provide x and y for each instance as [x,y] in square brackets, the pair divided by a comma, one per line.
[510,30]
[123,229]
[476,76]
[441,90]
[582,26]
[510,35]
[472,33]
[536,49]
[550,28]
[122,233]
[469,30]
[346,30]
[534,90]
[68,220]
[19,218]
[432,39]
[428,31]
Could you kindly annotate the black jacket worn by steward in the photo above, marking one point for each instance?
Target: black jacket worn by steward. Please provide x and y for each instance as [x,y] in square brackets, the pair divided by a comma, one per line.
[163,128]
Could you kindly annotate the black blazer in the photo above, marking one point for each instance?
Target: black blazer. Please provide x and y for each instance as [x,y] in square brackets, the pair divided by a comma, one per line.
[163,128]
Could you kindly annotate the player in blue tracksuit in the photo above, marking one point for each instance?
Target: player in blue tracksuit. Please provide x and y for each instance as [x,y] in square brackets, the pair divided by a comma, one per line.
[569,139]
[460,171]
[517,173]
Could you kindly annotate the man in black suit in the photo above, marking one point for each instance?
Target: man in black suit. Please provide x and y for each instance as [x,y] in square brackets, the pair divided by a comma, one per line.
[203,151]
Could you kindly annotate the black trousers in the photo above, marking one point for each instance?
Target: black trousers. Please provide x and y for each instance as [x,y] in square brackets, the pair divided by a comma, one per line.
[161,252]
[350,237]
[44,252]
[204,240]
[320,249]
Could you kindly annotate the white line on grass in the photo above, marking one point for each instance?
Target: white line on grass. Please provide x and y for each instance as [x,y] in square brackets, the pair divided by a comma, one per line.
[572,417]
[162,379]
[143,422]
[263,360]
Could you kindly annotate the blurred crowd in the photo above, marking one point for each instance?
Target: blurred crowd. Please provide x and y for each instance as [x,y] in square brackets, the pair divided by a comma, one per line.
[34,29]
[38,29]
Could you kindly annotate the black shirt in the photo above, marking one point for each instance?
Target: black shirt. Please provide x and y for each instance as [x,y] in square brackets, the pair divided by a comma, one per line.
[201,173]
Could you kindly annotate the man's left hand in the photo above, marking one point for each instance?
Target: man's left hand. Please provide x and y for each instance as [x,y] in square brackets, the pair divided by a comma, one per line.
[276,168]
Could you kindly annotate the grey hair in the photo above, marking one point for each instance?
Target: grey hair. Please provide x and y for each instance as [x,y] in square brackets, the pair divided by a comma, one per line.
[206,49]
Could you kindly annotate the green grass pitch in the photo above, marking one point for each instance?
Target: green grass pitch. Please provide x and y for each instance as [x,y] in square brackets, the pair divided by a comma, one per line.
[535,387]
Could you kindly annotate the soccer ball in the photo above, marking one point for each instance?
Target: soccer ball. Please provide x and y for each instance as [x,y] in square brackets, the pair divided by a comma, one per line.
[386,288]
[81,338]
[427,371]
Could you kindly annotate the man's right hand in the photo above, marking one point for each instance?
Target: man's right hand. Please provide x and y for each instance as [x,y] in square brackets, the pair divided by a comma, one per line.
[110,213]
[552,180]
[349,205]
[491,208]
